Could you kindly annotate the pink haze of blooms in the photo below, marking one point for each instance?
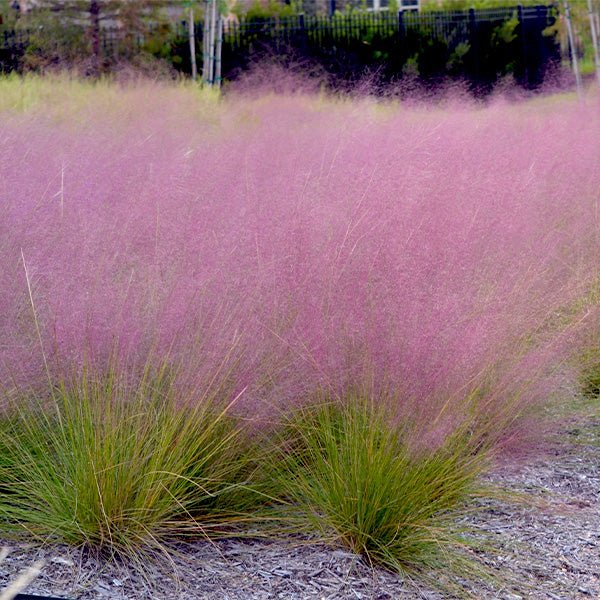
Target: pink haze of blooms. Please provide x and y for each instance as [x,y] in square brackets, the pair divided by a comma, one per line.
[290,243]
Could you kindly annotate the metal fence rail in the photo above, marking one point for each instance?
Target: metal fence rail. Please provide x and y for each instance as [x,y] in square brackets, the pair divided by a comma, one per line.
[357,25]
[386,41]
[342,41]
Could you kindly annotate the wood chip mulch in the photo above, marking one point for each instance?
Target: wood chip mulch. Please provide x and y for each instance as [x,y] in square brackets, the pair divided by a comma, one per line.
[545,545]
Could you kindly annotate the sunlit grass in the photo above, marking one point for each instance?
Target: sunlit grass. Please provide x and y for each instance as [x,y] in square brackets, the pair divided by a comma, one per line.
[66,96]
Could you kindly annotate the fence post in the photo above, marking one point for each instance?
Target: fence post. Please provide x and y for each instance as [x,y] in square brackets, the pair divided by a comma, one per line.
[594,39]
[523,43]
[474,43]
[205,43]
[211,42]
[574,60]
[219,51]
[95,34]
[543,54]
[401,31]
[331,8]
[302,28]
[192,41]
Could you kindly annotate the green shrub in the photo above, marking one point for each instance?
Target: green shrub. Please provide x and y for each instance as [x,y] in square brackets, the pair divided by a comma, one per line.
[350,474]
[122,466]
[590,378]
[53,42]
[267,10]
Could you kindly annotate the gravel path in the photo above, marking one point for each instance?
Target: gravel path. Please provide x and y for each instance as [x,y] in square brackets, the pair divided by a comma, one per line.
[546,546]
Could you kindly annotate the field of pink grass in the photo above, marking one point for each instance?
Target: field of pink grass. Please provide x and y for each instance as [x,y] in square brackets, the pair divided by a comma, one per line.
[290,244]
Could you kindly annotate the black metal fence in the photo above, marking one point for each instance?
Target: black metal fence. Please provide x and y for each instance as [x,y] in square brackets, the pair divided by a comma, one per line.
[12,48]
[479,45]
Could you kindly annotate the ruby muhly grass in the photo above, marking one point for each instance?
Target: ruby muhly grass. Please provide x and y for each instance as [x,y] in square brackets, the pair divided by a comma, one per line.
[281,247]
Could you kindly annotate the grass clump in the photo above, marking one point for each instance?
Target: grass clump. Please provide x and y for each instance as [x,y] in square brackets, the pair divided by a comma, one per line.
[590,378]
[590,389]
[122,466]
[350,473]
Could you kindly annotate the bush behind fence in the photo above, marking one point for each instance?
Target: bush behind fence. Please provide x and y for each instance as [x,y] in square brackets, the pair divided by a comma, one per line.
[478,45]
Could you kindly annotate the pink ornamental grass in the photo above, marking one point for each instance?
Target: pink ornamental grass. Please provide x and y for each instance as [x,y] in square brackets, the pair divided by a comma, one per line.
[290,244]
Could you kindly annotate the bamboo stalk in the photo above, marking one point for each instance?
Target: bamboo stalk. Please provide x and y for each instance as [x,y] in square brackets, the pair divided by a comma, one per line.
[574,60]
[192,39]
[205,42]
[218,51]
[211,43]
[594,39]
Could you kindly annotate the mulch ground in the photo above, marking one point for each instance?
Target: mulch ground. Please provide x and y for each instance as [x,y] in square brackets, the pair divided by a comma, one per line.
[544,545]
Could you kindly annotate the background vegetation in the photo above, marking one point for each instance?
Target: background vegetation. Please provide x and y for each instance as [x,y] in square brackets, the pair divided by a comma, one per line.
[357,45]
